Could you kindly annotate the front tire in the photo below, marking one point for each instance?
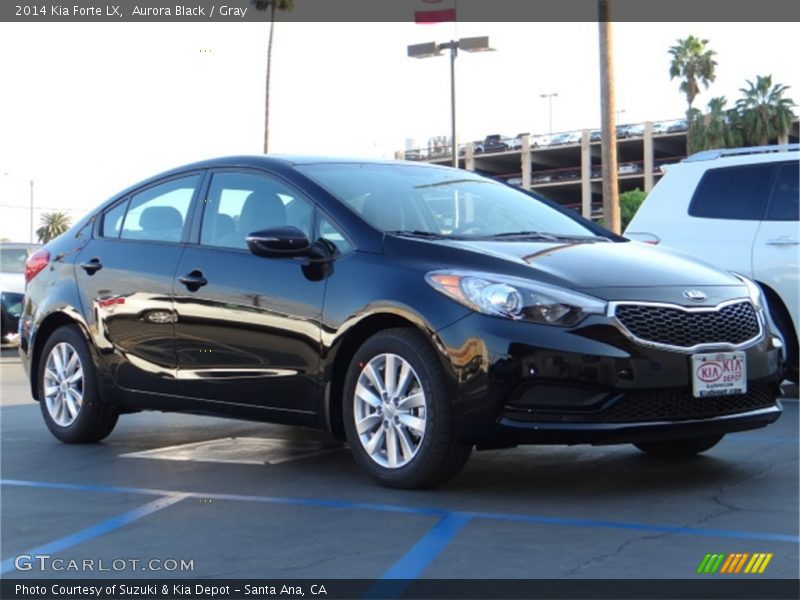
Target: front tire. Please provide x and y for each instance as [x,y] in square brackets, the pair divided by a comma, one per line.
[679,448]
[397,412]
[68,394]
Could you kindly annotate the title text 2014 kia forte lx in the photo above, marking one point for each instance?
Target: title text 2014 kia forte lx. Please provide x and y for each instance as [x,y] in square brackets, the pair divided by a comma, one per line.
[414,310]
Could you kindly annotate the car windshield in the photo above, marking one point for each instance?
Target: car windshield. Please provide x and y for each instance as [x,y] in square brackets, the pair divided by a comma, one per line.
[12,260]
[436,202]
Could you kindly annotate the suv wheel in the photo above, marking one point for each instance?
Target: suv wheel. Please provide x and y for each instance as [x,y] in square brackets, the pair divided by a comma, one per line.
[397,412]
[67,390]
[679,448]
[781,319]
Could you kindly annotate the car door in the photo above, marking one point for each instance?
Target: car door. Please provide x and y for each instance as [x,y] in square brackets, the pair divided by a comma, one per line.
[776,251]
[248,327]
[125,276]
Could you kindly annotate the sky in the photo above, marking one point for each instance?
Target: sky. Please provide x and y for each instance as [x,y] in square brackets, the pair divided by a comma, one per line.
[88,109]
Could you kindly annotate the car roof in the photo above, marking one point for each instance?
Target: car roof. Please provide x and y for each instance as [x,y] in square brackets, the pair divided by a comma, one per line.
[284,159]
[276,161]
[746,155]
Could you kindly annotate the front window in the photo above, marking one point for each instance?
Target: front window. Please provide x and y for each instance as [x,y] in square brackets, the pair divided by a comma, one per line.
[238,204]
[423,200]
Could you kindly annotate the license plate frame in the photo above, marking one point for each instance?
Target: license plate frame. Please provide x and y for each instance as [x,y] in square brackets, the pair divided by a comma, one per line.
[719,374]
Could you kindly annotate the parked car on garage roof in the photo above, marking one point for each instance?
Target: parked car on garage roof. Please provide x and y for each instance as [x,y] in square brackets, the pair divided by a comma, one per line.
[570,137]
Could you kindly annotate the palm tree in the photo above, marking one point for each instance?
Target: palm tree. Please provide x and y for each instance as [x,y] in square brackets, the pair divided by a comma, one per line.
[272,6]
[694,63]
[765,113]
[718,128]
[53,225]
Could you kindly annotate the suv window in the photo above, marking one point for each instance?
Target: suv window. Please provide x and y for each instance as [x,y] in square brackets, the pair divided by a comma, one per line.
[733,193]
[240,203]
[157,213]
[784,205]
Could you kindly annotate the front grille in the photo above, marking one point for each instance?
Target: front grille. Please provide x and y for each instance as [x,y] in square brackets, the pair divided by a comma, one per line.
[732,324]
[658,405]
[674,405]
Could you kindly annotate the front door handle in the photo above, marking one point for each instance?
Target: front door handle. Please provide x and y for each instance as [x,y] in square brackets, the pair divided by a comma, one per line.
[91,266]
[783,241]
[193,280]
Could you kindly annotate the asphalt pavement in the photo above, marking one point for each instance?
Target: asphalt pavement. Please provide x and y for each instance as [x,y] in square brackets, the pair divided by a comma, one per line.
[187,496]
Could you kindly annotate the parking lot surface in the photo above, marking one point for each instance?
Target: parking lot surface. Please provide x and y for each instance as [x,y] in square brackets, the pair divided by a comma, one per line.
[236,499]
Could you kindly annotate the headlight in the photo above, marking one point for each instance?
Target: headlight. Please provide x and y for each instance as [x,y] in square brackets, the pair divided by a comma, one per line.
[756,297]
[515,298]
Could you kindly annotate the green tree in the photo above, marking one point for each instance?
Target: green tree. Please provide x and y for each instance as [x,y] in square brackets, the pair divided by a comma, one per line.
[272,6]
[53,225]
[693,62]
[765,114]
[629,203]
[718,128]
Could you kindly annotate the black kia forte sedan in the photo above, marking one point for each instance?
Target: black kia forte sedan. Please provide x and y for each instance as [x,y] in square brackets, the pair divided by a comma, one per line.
[416,311]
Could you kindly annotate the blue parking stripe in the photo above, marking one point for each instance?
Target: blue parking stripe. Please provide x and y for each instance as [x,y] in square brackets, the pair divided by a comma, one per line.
[412,564]
[426,511]
[95,530]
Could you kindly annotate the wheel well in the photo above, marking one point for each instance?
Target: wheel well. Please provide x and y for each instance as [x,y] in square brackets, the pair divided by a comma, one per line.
[347,348]
[43,333]
[781,314]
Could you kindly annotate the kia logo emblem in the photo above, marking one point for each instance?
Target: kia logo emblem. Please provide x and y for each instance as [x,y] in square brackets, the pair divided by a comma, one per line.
[695,295]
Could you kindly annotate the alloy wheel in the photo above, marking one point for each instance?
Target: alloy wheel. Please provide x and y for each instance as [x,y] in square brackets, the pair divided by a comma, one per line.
[63,384]
[390,410]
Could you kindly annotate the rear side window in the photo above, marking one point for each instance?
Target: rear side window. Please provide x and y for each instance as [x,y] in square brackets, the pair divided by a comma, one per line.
[112,220]
[733,193]
[159,212]
[784,205]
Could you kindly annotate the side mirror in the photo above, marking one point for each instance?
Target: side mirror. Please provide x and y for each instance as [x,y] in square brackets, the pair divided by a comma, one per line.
[278,241]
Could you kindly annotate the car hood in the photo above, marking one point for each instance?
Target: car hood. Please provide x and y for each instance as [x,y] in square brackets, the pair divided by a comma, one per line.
[600,265]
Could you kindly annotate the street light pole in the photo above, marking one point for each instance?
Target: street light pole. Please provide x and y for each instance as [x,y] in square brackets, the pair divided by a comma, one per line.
[31,229]
[428,49]
[453,142]
[550,107]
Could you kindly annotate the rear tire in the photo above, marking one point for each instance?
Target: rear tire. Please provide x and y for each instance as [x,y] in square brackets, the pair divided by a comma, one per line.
[68,394]
[679,448]
[401,428]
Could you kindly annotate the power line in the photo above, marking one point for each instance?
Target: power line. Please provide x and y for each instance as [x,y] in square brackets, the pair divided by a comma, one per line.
[27,206]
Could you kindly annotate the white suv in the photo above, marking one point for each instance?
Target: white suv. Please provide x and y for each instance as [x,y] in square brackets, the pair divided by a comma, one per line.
[737,209]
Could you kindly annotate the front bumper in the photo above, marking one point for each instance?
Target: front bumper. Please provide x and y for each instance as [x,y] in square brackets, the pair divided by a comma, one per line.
[517,383]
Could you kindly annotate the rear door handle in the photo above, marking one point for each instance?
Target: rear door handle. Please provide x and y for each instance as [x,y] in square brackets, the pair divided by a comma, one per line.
[193,280]
[783,241]
[91,266]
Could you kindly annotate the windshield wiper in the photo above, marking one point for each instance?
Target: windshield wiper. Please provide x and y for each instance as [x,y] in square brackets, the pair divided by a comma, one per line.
[431,235]
[546,235]
[450,182]
[539,235]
